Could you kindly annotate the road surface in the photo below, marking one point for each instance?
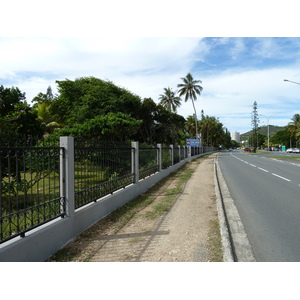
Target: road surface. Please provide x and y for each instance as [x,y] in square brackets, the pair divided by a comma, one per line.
[266,192]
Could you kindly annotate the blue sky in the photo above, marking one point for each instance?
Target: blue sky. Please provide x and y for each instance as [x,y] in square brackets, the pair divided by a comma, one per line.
[234,72]
[44,41]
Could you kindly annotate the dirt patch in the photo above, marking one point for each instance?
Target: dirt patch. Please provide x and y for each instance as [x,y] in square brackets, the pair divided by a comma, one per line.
[176,220]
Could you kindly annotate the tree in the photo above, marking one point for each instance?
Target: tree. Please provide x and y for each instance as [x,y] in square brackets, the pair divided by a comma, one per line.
[16,116]
[159,125]
[44,98]
[169,127]
[87,97]
[82,103]
[190,126]
[204,128]
[258,140]
[255,122]
[281,137]
[190,89]
[110,127]
[294,127]
[146,133]
[169,100]
[49,121]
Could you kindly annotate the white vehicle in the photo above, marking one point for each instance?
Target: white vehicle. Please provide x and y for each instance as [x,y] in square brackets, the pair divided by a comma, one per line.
[289,150]
[296,150]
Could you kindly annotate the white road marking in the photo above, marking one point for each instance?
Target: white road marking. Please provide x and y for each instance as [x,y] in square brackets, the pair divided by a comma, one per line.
[280,177]
[264,169]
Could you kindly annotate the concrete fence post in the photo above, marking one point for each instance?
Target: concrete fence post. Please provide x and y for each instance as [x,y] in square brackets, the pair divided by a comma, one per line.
[189,154]
[172,154]
[67,174]
[135,161]
[159,160]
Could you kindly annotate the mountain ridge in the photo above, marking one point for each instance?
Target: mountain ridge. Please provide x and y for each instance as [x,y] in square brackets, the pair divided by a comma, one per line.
[263,130]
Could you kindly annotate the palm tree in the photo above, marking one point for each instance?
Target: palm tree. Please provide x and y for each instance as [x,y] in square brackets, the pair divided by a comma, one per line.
[169,100]
[190,88]
[47,118]
[294,127]
[190,125]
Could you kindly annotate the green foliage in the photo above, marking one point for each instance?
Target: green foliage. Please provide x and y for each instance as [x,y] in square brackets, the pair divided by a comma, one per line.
[44,98]
[169,101]
[212,132]
[234,144]
[112,126]
[16,117]
[190,88]
[281,137]
[294,128]
[259,139]
[159,125]
[88,97]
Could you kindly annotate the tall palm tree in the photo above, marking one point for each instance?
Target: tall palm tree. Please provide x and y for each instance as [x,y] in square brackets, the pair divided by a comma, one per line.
[190,88]
[169,100]
[294,127]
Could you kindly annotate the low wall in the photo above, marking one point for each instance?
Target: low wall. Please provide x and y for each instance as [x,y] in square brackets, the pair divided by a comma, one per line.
[40,243]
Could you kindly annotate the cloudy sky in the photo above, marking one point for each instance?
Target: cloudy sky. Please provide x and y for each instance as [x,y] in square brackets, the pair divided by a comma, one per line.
[234,72]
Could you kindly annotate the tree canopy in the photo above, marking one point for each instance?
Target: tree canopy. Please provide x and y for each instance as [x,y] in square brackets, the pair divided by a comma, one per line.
[89,108]
[96,108]
[190,88]
[87,97]
[16,116]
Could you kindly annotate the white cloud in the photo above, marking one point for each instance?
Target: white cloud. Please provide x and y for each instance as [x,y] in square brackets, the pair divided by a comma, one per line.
[146,66]
[137,64]
[230,96]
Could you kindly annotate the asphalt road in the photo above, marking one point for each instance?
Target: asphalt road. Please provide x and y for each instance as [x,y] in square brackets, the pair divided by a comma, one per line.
[266,192]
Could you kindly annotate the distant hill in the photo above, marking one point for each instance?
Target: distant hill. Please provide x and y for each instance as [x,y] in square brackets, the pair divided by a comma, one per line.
[262,130]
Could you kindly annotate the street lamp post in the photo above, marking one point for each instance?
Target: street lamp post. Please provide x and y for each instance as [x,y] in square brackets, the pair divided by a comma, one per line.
[295,83]
[268,118]
[291,81]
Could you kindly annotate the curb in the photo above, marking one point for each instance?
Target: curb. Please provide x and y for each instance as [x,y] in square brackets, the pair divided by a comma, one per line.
[226,243]
[236,246]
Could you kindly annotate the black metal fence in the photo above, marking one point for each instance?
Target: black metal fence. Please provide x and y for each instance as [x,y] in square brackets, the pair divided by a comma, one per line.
[100,169]
[29,186]
[148,162]
[32,179]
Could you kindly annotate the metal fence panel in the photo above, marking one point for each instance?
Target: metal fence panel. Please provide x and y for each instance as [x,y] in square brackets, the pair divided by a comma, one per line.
[29,188]
[100,170]
[32,188]
[148,163]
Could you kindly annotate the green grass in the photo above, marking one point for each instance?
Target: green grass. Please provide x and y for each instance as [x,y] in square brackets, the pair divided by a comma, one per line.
[215,242]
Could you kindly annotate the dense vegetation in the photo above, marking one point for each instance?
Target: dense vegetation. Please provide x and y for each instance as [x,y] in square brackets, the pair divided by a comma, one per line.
[90,108]
[288,136]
